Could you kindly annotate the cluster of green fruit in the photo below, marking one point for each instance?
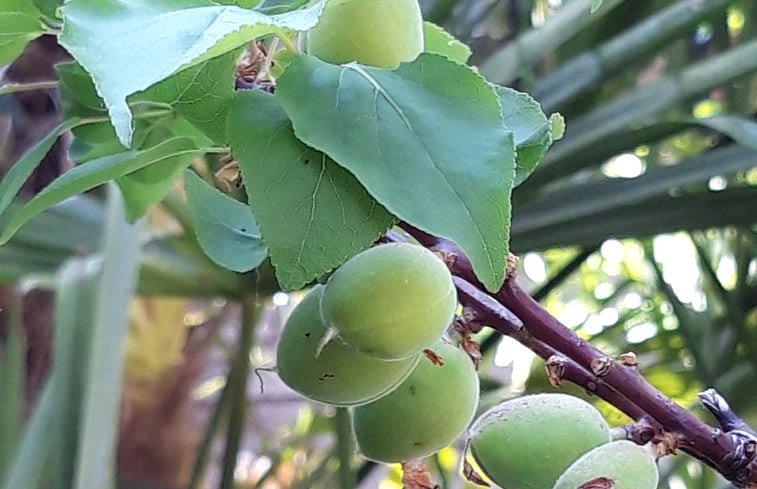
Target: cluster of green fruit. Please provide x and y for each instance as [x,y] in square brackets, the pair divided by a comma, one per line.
[359,341]
[558,441]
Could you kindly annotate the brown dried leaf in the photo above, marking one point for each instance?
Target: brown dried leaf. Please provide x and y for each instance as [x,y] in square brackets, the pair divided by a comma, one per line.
[415,475]
[471,475]
[598,483]
[435,359]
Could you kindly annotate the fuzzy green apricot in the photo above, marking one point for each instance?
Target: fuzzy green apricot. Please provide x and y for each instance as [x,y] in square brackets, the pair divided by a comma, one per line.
[627,465]
[425,413]
[527,442]
[390,301]
[337,374]
[381,33]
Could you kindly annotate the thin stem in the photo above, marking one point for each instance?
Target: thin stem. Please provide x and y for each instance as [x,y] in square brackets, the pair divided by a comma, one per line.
[28,87]
[201,461]
[240,371]
[344,448]
[288,43]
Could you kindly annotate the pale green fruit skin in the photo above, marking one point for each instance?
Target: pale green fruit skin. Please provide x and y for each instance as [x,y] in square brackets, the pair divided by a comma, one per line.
[427,412]
[339,375]
[526,443]
[381,33]
[626,464]
[390,301]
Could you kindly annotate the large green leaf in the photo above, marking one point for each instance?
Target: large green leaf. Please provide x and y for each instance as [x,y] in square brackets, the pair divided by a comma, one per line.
[94,173]
[225,227]
[531,129]
[19,24]
[101,397]
[313,213]
[427,140]
[153,39]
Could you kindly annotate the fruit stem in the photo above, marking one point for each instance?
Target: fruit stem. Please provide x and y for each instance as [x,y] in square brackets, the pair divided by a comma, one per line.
[344,448]
[288,43]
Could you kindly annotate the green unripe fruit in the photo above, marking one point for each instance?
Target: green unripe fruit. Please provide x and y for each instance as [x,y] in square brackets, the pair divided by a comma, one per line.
[390,301]
[337,374]
[380,33]
[526,443]
[627,465]
[427,412]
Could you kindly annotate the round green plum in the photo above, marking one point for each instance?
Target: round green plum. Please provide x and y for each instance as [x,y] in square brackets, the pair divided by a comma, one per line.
[381,33]
[390,301]
[627,465]
[337,374]
[427,412]
[527,442]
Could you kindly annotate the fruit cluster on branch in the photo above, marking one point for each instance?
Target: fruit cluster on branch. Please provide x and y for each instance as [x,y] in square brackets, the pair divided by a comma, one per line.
[511,311]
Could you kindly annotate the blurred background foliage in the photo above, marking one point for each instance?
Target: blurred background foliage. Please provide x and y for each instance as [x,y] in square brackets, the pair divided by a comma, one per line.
[638,230]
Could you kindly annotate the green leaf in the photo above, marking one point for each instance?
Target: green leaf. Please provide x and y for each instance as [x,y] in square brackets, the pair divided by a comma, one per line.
[194,94]
[19,24]
[427,140]
[33,450]
[740,129]
[175,34]
[101,398]
[20,171]
[94,173]
[201,93]
[531,130]
[313,213]
[581,200]
[595,4]
[225,227]
[12,386]
[438,41]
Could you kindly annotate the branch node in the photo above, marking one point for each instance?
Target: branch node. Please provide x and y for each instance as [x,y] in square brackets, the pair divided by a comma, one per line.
[601,366]
[628,359]
[555,367]
[512,266]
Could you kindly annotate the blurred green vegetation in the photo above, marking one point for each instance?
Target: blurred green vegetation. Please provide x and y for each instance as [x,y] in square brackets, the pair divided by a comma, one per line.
[638,230]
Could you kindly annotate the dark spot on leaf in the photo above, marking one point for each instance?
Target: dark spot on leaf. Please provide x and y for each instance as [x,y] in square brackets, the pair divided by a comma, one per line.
[244,230]
[411,389]
[325,377]
[307,335]
[417,443]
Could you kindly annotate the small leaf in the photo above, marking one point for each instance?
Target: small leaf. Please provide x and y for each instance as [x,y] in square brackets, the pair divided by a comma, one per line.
[531,130]
[438,41]
[557,122]
[313,213]
[595,4]
[200,93]
[427,140]
[94,173]
[20,171]
[137,37]
[226,229]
